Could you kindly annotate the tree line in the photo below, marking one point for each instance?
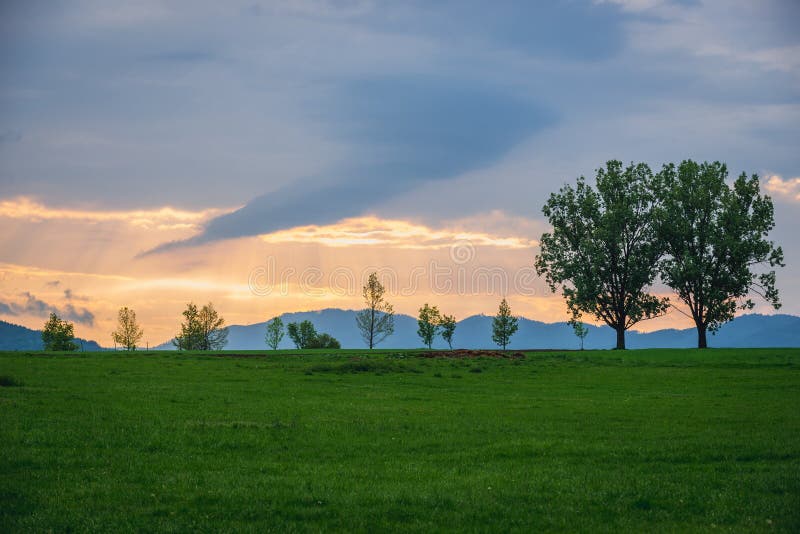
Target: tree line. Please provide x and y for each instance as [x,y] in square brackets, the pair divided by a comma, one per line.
[204,329]
[684,226]
[375,323]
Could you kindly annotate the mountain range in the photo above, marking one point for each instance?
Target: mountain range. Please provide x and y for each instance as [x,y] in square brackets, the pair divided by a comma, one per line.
[16,337]
[752,330]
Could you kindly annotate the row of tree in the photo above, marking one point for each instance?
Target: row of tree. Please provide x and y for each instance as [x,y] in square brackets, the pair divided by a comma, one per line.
[685,226]
[376,323]
[204,329]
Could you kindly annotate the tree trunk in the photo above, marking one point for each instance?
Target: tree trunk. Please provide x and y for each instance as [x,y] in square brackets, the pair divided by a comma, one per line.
[371,327]
[701,336]
[620,338]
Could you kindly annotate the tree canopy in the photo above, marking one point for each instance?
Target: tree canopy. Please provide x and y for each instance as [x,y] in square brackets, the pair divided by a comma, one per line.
[128,332]
[504,325]
[274,333]
[714,236]
[58,334]
[202,329]
[448,327]
[376,320]
[603,251]
[305,336]
[428,324]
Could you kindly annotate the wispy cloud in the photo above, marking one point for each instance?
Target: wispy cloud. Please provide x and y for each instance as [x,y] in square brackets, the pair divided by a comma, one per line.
[39,272]
[374,231]
[161,218]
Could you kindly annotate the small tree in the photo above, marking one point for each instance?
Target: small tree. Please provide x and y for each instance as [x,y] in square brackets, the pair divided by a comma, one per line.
[293,330]
[189,336]
[274,333]
[58,334]
[376,321]
[302,334]
[448,326]
[128,332]
[504,325]
[215,335]
[580,330]
[324,341]
[714,235]
[202,329]
[428,323]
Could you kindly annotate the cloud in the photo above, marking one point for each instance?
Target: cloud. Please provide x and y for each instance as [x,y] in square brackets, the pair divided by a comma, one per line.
[69,295]
[405,132]
[31,305]
[165,218]
[573,31]
[374,231]
[788,189]
[318,112]
[34,271]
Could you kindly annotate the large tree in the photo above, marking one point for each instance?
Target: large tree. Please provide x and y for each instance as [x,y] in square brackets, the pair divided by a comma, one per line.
[603,251]
[504,325]
[428,324]
[202,329]
[376,320]
[58,334]
[714,235]
[128,332]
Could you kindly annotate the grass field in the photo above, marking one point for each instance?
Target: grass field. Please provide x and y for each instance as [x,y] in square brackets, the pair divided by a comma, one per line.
[672,440]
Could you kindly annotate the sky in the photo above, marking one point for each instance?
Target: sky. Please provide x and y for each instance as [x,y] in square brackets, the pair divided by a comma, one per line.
[266,156]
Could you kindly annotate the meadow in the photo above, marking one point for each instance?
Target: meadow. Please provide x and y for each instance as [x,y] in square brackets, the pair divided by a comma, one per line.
[648,440]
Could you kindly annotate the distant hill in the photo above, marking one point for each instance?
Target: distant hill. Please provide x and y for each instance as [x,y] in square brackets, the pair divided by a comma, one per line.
[16,337]
[476,332]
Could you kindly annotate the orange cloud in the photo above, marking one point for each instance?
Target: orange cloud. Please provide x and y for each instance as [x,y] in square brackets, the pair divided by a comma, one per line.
[788,188]
[164,218]
[464,266]
[374,231]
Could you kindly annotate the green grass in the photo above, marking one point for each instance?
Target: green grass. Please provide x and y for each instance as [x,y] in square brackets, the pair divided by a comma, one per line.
[656,440]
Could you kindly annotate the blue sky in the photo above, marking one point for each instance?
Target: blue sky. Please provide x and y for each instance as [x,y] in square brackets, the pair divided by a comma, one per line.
[311,111]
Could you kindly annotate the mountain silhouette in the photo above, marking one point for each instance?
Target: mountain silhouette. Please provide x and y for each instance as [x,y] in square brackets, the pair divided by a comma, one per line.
[475,332]
[16,337]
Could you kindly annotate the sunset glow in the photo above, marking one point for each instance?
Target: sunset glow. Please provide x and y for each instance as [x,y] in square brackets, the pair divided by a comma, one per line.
[311,267]
[267,158]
